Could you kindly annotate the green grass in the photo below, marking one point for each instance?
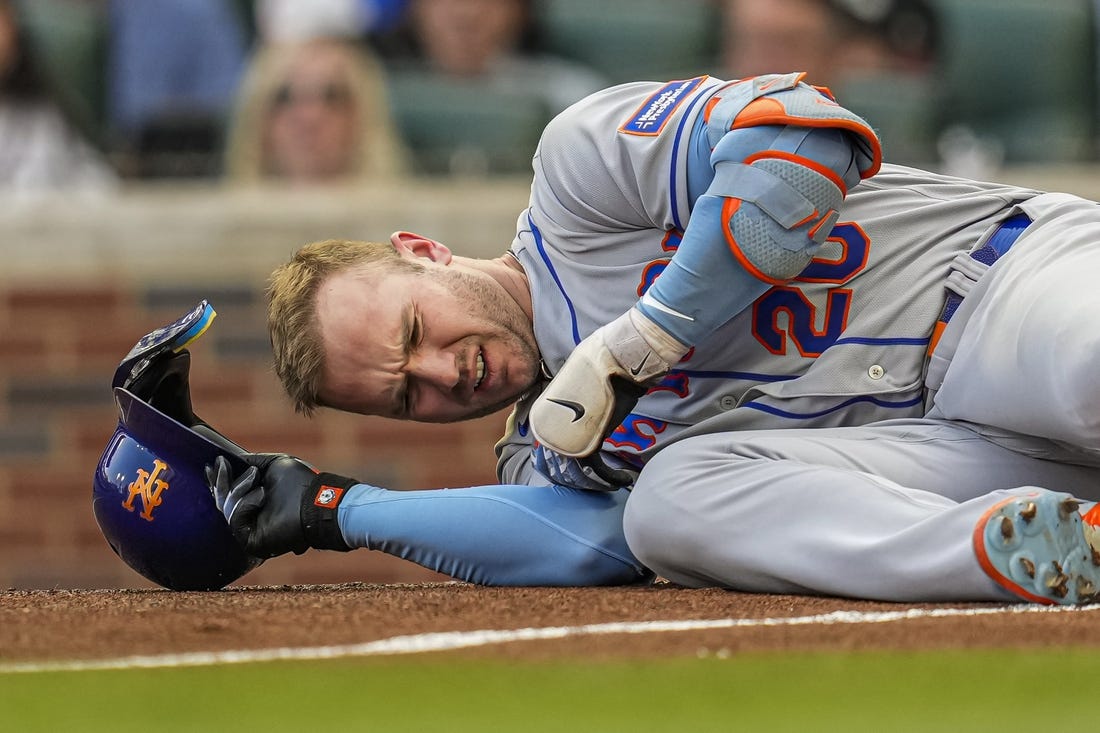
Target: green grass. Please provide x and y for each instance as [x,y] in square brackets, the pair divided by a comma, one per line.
[895,692]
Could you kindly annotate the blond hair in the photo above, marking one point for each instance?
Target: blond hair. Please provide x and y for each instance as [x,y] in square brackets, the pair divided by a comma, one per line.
[292,324]
[381,152]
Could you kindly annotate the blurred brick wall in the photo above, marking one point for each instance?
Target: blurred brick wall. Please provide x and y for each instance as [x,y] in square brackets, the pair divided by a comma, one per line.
[81,285]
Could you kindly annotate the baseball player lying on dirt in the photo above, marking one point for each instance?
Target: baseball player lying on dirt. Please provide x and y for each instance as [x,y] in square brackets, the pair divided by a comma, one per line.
[739,352]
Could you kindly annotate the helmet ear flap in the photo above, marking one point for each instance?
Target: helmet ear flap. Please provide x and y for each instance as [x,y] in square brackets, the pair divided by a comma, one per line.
[162,380]
[157,369]
[157,372]
[165,385]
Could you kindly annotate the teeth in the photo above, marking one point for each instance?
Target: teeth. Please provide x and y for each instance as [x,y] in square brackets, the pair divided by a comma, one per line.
[480,371]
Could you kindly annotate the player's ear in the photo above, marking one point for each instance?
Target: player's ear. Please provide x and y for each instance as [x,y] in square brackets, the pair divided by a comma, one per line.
[408,244]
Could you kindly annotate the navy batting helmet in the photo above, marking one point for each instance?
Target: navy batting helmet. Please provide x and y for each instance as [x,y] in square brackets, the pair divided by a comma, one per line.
[150,496]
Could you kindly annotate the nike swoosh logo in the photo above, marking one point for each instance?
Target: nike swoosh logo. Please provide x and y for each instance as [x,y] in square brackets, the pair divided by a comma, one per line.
[635,371]
[576,407]
[652,302]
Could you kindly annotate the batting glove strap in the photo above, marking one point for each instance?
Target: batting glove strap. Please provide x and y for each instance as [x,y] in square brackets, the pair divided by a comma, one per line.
[319,511]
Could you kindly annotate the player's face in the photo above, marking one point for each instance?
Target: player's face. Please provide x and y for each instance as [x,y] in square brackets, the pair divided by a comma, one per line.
[311,131]
[444,345]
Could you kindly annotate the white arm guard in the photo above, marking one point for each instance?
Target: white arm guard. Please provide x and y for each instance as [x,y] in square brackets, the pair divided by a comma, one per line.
[576,410]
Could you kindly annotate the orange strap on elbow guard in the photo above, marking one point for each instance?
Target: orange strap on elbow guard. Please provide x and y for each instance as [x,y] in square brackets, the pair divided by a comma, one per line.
[784,99]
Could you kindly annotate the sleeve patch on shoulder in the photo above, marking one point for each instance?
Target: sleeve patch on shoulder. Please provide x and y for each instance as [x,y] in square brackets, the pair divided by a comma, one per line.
[651,116]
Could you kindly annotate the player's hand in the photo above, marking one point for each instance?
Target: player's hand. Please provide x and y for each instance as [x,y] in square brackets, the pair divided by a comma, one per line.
[600,383]
[265,522]
[587,474]
[279,504]
[229,492]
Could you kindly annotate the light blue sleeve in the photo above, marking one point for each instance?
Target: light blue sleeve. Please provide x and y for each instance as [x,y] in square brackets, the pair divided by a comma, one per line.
[504,535]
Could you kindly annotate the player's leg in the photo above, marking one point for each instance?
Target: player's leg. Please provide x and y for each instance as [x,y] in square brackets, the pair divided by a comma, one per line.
[884,512]
[1023,348]
[498,535]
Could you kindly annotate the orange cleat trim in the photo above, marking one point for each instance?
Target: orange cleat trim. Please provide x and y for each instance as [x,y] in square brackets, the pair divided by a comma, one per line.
[1092,516]
[987,564]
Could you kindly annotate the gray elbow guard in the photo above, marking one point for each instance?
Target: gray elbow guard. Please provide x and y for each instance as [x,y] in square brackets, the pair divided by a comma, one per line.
[785,155]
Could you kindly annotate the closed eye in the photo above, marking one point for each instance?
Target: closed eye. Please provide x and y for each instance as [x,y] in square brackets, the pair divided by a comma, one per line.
[414,336]
[416,333]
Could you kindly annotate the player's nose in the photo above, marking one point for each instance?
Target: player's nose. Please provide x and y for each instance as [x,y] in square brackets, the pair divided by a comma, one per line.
[437,368]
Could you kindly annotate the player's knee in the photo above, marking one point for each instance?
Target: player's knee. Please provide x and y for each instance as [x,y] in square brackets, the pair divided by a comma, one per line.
[660,529]
[676,510]
[648,531]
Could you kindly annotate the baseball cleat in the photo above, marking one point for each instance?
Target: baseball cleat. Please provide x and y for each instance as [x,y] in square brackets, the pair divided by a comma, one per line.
[1041,548]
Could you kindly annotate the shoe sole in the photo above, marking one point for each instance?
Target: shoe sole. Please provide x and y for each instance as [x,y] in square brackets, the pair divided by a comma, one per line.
[1036,547]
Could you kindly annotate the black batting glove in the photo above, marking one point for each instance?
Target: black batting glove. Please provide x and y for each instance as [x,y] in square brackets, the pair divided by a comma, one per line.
[279,504]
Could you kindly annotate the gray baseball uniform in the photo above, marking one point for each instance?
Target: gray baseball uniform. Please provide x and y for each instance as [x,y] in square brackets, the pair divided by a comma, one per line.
[880,500]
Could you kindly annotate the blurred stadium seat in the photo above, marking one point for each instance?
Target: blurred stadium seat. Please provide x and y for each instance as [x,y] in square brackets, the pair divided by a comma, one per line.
[1024,73]
[465,128]
[632,40]
[904,109]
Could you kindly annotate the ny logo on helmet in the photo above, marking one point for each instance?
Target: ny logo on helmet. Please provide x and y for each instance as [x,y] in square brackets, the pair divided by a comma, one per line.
[147,486]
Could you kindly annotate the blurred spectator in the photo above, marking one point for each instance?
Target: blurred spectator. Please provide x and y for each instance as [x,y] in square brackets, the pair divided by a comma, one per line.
[493,42]
[173,70]
[828,39]
[313,112]
[40,148]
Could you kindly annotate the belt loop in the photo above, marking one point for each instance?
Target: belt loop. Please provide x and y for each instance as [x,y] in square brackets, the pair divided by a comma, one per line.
[995,247]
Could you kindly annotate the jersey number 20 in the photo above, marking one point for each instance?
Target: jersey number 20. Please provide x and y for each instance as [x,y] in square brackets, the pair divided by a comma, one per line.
[813,327]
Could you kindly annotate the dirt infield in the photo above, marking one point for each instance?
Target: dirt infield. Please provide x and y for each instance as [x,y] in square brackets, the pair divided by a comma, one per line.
[61,625]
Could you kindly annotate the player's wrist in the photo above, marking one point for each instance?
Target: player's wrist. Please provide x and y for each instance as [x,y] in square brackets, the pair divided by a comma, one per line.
[320,511]
[663,343]
[292,508]
[644,350]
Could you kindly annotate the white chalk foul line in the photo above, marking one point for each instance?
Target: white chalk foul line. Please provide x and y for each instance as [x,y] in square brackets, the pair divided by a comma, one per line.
[450,640]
